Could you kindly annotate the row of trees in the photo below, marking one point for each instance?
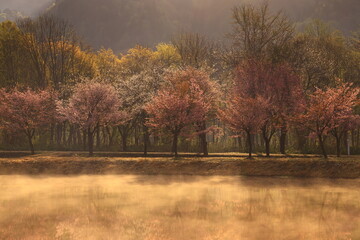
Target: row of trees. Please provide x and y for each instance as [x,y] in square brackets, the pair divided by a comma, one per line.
[267,81]
[265,98]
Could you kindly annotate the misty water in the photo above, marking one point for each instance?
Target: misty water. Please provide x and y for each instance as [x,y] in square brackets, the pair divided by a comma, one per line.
[178,207]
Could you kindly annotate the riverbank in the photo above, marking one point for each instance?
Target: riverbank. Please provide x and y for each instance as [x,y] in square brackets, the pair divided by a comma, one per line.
[66,163]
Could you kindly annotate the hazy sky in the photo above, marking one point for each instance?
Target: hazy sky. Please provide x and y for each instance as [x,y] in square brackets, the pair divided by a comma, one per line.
[26,6]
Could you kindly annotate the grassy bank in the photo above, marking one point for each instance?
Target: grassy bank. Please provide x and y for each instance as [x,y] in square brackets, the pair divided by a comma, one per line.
[65,163]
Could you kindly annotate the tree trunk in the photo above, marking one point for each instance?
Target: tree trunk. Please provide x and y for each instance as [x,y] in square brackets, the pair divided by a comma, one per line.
[175,144]
[322,146]
[338,146]
[52,134]
[267,147]
[78,136]
[31,145]
[301,141]
[58,134]
[124,132]
[283,133]
[111,134]
[64,134]
[70,139]
[90,142]
[84,139]
[98,143]
[136,136]
[202,137]
[204,144]
[249,144]
[266,141]
[124,142]
[240,145]
[146,139]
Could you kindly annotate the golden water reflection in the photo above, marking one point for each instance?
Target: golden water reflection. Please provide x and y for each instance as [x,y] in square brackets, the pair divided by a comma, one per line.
[178,207]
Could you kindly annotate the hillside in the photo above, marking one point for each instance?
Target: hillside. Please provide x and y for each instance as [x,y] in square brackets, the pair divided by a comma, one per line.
[26,7]
[10,15]
[120,24]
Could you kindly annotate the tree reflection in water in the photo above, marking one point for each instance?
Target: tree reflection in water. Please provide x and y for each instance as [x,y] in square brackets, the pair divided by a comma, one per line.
[168,207]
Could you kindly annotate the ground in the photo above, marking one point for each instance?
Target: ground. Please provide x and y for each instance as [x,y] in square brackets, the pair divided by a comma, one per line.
[74,163]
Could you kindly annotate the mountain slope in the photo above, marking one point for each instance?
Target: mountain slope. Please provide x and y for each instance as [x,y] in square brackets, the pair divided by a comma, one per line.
[120,24]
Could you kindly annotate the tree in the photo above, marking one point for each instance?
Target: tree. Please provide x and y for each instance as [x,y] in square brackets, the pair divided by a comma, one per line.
[179,105]
[167,55]
[108,64]
[52,45]
[245,114]
[27,111]
[320,55]
[14,61]
[188,77]
[136,91]
[136,60]
[92,105]
[194,49]
[141,76]
[329,110]
[279,85]
[349,122]
[259,34]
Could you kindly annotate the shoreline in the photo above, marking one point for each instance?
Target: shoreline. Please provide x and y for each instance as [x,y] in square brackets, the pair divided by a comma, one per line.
[230,166]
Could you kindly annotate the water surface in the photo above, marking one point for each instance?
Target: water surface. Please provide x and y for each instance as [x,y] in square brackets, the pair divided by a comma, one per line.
[178,207]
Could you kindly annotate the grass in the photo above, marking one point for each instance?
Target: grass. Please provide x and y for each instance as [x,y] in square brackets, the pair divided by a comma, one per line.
[187,164]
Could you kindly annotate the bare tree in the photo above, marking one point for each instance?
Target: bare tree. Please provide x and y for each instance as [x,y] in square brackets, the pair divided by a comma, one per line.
[52,45]
[258,33]
[195,50]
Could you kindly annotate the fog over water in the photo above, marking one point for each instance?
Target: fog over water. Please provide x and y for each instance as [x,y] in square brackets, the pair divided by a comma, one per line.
[178,207]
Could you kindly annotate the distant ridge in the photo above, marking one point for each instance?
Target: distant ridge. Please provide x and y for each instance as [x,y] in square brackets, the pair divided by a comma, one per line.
[121,24]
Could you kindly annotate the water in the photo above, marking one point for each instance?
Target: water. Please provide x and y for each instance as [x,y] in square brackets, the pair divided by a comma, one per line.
[178,207]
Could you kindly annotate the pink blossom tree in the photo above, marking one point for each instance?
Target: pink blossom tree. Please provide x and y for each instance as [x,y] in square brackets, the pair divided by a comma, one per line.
[247,115]
[27,111]
[330,110]
[279,85]
[200,89]
[92,105]
[180,105]
[349,122]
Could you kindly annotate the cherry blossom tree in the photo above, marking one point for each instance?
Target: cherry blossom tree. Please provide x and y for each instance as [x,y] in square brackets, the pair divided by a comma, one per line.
[203,91]
[279,85]
[349,122]
[330,110]
[27,111]
[92,105]
[178,106]
[247,115]
[136,91]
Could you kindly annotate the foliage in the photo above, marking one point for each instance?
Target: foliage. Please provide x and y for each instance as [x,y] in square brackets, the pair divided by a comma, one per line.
[329,109]
[14,61]
[181,103]
[27,111]
[92,105]
[274,83]
[267,65]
